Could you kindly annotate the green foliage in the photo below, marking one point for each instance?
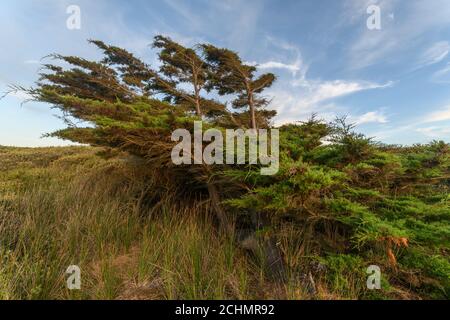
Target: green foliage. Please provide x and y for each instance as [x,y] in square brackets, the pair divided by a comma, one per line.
[362,203]
[345,273]
[232,76]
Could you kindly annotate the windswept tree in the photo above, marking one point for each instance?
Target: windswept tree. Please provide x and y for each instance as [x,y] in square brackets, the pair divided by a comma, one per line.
[134,73]
[111,94]
[181,78]
[134,108]
[184,67]
[230,75]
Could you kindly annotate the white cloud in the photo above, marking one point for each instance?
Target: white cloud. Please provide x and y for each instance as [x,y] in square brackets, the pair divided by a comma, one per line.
[325,90]
[418,125]
[282,44]
[312,96]
[295,99]
[443,75]
[436,53]
[297,66]
[184,11]
[371,117]
[434,132]
[371,45]
[440,115]
[294,68]
[397,36]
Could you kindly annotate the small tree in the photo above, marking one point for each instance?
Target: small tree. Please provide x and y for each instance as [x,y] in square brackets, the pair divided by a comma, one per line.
[229,75]
[181,65]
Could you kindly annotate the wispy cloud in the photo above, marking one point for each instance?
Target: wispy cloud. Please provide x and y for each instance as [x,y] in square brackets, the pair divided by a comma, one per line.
[371,117]
[435,125]
[282,44]
[184,11]
[291,67]
[315,96]
[437,116]
[436,53]
[296,98]
[296,66]
[399,34]
[371,45]
[435,131]
[443,75]
[325,90]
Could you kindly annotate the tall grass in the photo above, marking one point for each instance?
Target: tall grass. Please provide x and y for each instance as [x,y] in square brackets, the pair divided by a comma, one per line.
[74,208]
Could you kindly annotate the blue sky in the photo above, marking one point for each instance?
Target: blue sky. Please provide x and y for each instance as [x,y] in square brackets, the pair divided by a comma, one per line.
[394,82]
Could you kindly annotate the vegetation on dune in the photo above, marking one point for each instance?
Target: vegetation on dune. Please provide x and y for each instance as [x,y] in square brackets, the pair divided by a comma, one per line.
[65,206]
[215,231]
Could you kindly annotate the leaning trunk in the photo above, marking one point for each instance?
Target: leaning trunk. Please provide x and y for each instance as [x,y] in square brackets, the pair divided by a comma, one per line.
[225,224]
[252,110]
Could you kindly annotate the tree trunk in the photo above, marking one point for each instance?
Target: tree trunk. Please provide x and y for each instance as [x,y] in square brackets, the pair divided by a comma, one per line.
[197,102]
[265,249]
[224,221]
[252,110]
